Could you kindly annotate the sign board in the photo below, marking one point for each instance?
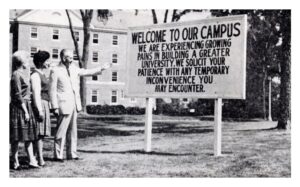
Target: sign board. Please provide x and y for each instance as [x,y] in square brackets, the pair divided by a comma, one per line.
[202,59]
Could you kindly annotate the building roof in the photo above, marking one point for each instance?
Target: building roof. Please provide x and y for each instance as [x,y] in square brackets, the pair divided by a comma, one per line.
[120,19]
[47,16]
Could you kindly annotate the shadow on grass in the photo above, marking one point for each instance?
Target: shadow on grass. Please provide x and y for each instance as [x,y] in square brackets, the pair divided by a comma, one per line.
[224,153]
[138,152]
[86,132]
[174,128]
[258,130]
[167,128]
[93,128]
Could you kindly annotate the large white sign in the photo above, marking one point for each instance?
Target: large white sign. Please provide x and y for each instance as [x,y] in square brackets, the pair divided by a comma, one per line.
[202,59]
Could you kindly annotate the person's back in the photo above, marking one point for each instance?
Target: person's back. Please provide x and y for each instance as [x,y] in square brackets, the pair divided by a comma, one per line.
[20,87]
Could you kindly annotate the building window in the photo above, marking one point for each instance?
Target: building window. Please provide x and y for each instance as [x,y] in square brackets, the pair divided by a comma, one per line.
[95,38]
[115,58]
[114,96]
[55,35]
[75,56]
[94,98]
[95,56]
[76,35]
[114,76]
[115,40]
[34,32]
[185,100]
[122,94]
[132,99]
[54,54]
[33,50]
[95,78]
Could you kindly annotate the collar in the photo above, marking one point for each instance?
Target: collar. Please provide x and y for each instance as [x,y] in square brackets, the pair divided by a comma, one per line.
[39,71]
[62,64]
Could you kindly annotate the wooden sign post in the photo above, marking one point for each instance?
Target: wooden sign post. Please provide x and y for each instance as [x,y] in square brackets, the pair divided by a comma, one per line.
[218,128]
[148,124]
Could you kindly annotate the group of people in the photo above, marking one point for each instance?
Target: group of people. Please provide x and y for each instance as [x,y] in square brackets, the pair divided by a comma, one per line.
[34,95]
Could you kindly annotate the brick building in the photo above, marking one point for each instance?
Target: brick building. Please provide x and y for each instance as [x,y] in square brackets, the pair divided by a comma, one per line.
[33,30]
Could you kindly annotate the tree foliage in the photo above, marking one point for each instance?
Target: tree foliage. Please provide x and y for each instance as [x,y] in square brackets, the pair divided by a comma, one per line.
[268,55]
[269,51]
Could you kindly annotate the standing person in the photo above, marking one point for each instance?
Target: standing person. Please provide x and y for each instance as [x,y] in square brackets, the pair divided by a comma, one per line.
[65,101]
[22,122]
[40,87]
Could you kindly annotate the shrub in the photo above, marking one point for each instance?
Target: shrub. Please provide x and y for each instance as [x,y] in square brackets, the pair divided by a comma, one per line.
[114,110]
[135,110]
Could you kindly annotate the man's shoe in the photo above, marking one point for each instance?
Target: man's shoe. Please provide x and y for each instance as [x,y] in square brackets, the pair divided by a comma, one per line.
[76,158]
[33,166]
[58,160]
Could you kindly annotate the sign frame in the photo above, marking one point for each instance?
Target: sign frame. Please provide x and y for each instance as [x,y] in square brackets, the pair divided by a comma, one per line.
[242,94]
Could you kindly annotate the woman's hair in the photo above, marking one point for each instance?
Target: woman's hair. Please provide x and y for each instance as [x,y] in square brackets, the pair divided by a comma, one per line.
[18,59]
[40,58]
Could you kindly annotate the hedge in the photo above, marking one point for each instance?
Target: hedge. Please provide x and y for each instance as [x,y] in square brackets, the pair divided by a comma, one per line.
[114,110]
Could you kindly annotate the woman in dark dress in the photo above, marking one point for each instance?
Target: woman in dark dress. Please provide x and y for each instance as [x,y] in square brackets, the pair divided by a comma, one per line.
[22,122]
[40,86]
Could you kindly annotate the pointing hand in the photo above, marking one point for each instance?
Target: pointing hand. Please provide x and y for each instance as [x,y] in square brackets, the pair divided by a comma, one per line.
[107,65]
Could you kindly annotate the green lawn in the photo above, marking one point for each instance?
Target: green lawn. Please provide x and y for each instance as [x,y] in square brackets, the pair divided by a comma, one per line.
[112,146]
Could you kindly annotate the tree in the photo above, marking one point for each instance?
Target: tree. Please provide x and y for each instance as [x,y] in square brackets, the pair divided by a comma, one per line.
[86,16]
[74,39]
[262,53]
[285,70]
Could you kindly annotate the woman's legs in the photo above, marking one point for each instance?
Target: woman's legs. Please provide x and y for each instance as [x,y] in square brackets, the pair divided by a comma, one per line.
[31,157]
[14,152]
[39,150]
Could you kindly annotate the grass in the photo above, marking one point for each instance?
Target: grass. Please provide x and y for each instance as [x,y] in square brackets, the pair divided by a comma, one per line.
[112,146]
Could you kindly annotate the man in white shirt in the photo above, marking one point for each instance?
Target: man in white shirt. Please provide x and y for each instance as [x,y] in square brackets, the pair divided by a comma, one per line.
[65,101]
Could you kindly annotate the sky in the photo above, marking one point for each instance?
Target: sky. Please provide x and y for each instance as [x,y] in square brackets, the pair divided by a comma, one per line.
[124,18]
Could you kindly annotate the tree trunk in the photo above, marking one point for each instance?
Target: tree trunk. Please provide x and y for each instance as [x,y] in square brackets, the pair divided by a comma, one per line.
[166,16]
[285,94]
[285,73]
[86,18]
[74,39]
[174,15]
[264,93]
[154,16]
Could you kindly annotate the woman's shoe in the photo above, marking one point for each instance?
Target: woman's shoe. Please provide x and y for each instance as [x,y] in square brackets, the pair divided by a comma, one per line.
[42,163]
[16,167]
[34,166]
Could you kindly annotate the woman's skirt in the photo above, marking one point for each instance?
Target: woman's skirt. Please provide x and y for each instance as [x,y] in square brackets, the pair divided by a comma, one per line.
[44,127]
[20,129]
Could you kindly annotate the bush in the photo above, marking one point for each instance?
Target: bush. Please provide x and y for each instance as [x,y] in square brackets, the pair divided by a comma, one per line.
[172,109]
[135,110]
[114,110]
[203,107]
[234,109]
